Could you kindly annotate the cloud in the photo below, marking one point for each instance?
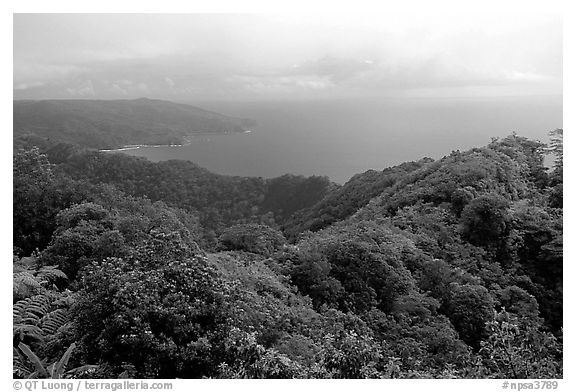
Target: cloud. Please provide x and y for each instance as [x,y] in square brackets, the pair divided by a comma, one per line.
[520,77]
[37,72]
[336,68]
[84,89]
[27,86]
[169,82]
[116,89]
[245,56]
[278,84]
[143,87]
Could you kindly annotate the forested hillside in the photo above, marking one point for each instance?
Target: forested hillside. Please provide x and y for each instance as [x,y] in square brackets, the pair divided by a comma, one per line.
[342,203]
[115,123]
[218,201]
[430,269]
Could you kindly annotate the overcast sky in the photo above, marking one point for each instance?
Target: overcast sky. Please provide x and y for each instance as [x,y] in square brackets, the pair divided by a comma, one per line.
[223,56]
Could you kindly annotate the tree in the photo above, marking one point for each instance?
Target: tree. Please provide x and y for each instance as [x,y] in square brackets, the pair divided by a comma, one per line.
[518,349]
[354,267]
[38,195]
[469,308]
[557,149]
[253,238]
[485,220]
[159,310]
[245,358]
[311,272]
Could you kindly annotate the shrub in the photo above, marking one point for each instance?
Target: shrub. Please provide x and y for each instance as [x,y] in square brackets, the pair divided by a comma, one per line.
[253,238]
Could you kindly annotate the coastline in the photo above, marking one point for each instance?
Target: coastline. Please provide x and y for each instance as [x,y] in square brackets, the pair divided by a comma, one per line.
[187,142]
[137,146]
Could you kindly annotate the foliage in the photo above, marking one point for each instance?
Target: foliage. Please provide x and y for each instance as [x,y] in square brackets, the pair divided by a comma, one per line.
[55,370]
[30,278]
[469,308]
[39,314]
[289,193]
[557,149]
[245,358]
[218,201]
[516,348]
[431,269]
[159,310]
[485,220]
[252,238]
[38,195]
[262,301]
[342,202]
[354,267]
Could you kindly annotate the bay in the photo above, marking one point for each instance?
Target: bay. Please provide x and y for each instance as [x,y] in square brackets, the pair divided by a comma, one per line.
[339,138]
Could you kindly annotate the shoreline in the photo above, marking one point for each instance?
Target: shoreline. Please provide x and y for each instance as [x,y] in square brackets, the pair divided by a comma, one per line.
[187,142]
[137,146]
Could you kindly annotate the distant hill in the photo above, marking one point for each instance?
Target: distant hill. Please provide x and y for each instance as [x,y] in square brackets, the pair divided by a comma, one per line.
[511,168]
[218,201]
[346,200]
[116,123]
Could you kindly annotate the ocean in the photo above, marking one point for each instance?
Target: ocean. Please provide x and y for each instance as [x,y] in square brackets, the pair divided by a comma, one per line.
[339,138]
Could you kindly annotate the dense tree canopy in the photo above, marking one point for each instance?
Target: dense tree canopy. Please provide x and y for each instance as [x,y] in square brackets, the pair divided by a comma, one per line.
[431,269]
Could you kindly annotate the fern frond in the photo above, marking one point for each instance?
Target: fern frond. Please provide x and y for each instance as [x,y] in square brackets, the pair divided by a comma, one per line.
[50,273]
[53,321]
[30,262]
[40,304]
[31,310]
[19,309]
[26,277]
[16,268]
[30,319]
[28,280]
[25,282]
[23,330]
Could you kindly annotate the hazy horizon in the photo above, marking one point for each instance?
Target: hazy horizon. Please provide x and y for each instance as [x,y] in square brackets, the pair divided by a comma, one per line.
[183,57]
[372,88]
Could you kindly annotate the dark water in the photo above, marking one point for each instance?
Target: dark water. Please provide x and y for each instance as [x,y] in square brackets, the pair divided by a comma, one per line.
[342,138]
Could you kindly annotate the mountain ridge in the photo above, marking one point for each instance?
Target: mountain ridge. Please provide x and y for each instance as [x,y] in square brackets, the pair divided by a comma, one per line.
[110,124]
